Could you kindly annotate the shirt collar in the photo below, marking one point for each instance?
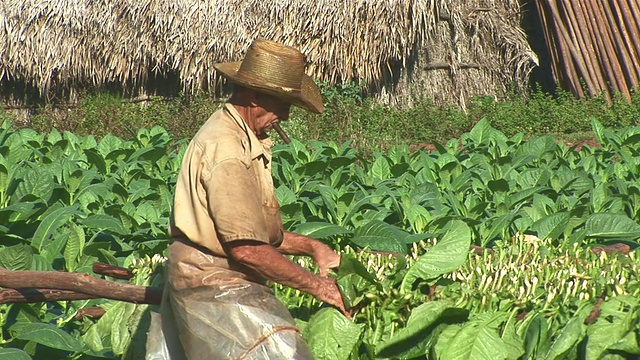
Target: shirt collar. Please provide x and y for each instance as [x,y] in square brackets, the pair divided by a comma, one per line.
[258,147]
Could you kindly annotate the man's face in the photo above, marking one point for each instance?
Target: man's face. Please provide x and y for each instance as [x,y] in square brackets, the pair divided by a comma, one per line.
[269,110]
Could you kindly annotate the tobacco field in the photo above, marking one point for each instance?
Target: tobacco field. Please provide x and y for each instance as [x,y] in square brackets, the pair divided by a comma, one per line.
[489,247]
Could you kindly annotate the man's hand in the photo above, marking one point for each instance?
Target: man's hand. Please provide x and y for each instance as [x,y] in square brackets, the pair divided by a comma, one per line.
[325,258]
[270,264]
[328,292]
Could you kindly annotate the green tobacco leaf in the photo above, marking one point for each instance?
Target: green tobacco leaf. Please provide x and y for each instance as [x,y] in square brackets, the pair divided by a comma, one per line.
[49,335]
[422,319]
[104,222]
[17,257]
[120,334]
[97,160]
[380,236]
[598,131]
[73,247]
[50,223]
[445,256]
[331,336]
[481,132]
[478,339]
[612,226]
[550,227]
[13,354]
[380,170]
[34,183]
[320,230]
[569,336]
[353,280]
[535,331]
[617,319]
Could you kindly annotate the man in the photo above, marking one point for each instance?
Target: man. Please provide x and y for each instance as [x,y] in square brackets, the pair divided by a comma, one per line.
[227,233]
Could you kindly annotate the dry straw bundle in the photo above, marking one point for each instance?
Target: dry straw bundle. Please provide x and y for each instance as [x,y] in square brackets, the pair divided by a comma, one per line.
[73,44]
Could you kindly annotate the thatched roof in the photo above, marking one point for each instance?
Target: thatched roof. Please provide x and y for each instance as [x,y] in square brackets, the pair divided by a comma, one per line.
[75,43]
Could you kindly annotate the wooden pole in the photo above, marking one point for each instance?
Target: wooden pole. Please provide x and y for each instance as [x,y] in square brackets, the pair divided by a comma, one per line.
[9,296]
[601,48]
[578,61]
[551,41]
[81,283]
[619,51]
[578,38]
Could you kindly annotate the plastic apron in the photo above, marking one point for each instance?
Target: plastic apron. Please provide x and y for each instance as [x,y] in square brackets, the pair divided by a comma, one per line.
[212,312]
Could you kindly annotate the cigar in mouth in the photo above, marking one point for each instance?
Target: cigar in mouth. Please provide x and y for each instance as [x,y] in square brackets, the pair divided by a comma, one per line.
[282,134]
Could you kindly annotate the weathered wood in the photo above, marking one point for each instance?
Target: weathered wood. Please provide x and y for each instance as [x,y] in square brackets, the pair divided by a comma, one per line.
[93,312]
[9,296]
[112,271]
[82,283]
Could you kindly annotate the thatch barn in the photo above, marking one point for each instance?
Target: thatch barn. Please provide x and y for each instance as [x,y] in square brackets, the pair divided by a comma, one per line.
[445,50]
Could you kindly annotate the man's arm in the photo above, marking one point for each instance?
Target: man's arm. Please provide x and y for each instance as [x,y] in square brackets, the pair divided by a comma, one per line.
[269,263]
[296,244]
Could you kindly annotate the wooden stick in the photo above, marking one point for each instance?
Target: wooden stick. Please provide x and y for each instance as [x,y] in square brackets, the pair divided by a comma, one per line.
[607,38]
[590,49]
[576,33]
[631,30]
[112,271]
[8,296]
[623,58]
[620,17]
[601,49]
[82,283]
[551,42]
[94,312]
[562,34]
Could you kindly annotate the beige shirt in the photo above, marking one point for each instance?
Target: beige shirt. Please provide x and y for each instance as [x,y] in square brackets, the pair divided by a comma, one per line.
[225,190]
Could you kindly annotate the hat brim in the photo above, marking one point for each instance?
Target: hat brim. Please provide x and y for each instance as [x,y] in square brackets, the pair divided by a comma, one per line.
[308,97]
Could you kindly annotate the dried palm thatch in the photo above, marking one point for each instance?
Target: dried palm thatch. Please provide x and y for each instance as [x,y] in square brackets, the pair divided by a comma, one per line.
[72,44]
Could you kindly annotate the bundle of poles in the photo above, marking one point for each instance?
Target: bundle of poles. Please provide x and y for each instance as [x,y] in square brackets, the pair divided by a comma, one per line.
[593,41]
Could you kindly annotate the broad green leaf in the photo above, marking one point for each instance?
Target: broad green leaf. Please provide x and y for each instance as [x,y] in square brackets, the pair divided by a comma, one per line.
[380,170]
[353,280]
[478,339]
[320,230]
[331,336]
[50,223]
[446,255]
[380,236]
[569,336]
[482,132]
[49,335]
[104,222]
[422,318]
[535,331]
[34,183]
[612,226]
[73,247]
[120,334]
[13,354]
[17,257]
[550,227]
[617,319]
[598,130]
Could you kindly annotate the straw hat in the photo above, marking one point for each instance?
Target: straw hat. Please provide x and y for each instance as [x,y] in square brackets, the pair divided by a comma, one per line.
[277,70]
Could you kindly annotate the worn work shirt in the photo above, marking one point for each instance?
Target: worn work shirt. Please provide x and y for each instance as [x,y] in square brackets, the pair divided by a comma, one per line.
[225,190]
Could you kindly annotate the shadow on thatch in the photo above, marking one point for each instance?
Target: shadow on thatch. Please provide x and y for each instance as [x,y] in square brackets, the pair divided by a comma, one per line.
[446,50]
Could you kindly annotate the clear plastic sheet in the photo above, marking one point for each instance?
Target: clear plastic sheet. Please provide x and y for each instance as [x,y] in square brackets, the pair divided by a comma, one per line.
[219,313]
